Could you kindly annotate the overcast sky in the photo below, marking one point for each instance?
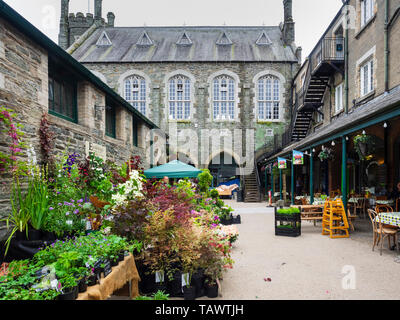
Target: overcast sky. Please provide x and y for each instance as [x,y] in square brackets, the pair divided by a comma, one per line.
[312,17]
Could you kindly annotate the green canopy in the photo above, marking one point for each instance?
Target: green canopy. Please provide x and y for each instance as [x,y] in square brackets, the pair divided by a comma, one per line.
[173,169]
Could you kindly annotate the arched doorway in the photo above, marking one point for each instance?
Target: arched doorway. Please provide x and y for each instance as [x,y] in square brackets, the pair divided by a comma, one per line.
[223,168]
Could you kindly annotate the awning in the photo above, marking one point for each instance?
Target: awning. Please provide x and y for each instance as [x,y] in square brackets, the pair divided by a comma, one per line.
[173,169]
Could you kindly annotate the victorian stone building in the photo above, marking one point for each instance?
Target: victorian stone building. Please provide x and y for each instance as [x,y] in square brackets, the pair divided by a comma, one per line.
[224,89]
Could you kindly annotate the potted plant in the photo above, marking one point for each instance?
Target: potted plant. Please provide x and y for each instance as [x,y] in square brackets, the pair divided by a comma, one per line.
[326,154]
[69,288]
[365,146]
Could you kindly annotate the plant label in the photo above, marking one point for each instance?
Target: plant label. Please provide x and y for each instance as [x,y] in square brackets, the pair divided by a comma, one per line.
[107,268]
[159,276]
[88,225]
[185,279]
[69,222]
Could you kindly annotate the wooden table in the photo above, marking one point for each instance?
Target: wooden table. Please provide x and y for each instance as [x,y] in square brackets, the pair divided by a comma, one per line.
[124,272]
[311,212]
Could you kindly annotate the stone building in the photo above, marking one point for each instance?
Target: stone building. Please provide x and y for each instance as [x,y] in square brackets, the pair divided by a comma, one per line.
[349,86]
[226,90]
[38,77]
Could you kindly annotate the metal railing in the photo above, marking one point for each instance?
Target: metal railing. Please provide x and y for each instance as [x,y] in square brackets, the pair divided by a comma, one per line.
[328,49]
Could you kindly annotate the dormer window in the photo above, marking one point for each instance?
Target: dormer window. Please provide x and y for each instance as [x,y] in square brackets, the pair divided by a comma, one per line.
[224,40]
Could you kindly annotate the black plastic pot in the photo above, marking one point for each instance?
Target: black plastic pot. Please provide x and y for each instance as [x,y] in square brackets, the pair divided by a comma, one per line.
[82,285]
[147,284]
[174,286]
[212,290]
[189,293]
[69,295]
[160,287]
[34,235]
[92,280]
[114,262]
[121,256]
[198,279]
[20,236]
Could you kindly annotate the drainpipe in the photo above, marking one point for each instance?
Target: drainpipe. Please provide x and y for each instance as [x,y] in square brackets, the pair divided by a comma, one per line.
[386,40]
[346,66]
[344,173]
[311,177]
[292,182]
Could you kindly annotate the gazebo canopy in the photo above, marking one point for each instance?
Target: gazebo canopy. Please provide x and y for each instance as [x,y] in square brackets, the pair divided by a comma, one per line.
[173,169]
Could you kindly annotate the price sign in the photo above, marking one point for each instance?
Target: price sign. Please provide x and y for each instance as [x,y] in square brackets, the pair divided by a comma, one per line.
[107,268]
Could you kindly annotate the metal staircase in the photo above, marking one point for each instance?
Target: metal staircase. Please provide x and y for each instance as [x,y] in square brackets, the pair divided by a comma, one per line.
[326,59]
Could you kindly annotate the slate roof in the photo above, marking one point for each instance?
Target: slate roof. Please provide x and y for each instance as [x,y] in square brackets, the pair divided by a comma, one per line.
[204,47]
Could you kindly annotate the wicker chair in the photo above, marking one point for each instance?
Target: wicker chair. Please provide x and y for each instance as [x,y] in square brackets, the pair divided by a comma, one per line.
[381,231]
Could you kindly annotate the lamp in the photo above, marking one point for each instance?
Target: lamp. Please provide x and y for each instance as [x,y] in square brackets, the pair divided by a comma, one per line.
[364,133]
[313,150]
[333,143]
[385,125]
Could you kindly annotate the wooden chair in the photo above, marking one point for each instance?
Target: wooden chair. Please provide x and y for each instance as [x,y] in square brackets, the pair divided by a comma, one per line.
[381,197]
[304,201]
[385,208]
[351,218]
[381,231]
[360,205]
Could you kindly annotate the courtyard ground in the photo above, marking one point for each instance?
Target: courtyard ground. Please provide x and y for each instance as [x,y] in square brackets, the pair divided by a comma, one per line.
[311,266]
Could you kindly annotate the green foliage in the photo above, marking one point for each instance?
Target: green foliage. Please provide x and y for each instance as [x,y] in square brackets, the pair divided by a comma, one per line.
[205,180]
[288,211]
[159,295]
[214,194]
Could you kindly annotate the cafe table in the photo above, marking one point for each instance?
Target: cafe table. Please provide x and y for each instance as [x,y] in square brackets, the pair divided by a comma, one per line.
[387,202]
[390,218]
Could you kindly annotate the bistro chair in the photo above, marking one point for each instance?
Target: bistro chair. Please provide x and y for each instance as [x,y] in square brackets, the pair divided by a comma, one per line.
[381,197]
[360,206]
[351,218]
[304,201]
[381,231]
[385,208]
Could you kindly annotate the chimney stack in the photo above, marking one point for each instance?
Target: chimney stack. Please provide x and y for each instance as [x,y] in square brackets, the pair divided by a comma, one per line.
[110,19]
[98,9]
[64,34]
[288,23]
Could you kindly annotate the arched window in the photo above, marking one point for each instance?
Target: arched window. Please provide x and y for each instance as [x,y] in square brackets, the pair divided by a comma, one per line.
[135,92]
[268,97]
[179,98]
[224,98]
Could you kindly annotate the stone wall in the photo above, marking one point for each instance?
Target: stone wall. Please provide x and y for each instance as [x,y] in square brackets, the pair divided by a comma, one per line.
[159,73]
[24,89]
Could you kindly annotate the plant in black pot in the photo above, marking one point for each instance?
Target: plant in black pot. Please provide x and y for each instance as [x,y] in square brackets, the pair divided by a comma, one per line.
[69,288]
[212,273]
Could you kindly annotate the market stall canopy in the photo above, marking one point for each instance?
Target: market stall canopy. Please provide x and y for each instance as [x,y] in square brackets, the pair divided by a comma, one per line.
[173,169]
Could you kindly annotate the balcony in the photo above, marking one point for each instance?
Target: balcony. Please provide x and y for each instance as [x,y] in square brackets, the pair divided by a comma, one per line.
[328,57]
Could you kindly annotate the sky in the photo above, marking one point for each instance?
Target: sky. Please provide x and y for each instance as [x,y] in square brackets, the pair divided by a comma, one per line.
[312,17]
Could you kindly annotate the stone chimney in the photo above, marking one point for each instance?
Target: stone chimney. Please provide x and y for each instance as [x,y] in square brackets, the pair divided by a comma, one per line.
[98,9]
[110,19]
[288,23]
[64,26]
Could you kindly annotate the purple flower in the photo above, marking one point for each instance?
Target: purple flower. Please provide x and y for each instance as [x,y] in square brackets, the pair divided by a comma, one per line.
[51,208]
[213,226]
[60,204]
[76,211]
[80,201]
[58,192]
[67,214]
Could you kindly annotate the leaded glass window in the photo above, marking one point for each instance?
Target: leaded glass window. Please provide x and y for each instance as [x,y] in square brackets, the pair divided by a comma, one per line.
[135,92]
[268,98]
[224,98]
[179,98]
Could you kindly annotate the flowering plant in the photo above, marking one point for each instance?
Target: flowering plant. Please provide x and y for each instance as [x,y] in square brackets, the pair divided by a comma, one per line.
[10,161]
[130,190]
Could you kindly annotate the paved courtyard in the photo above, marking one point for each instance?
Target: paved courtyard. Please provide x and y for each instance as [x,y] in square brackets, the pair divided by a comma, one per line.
[311,266]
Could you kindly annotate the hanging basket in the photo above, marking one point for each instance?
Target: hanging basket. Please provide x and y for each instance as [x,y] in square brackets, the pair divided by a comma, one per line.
[326,154]
[365,146]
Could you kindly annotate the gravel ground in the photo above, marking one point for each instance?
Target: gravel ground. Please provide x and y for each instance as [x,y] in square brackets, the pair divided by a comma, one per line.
[311,266]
